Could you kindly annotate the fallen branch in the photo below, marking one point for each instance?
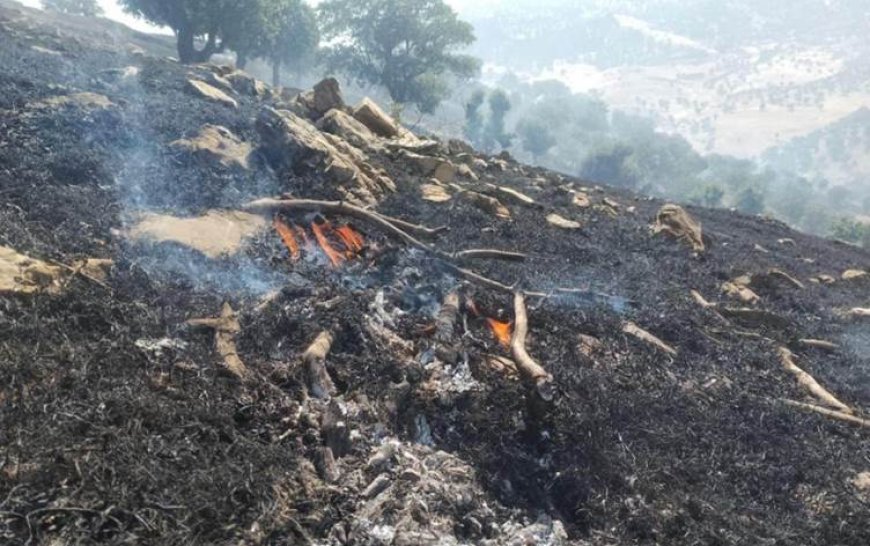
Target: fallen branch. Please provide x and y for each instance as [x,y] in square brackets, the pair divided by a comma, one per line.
[387,224]
[810,384]
[633,329]
[819,344]
[77,272]
[783,276]
[755,318]
[528,367]
[490,254]
[338,207]
[226,326]
[314,357]
[839,415]
[419,230]
[712,307]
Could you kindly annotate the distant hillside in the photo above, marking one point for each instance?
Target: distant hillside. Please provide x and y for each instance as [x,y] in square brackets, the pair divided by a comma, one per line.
[839,153]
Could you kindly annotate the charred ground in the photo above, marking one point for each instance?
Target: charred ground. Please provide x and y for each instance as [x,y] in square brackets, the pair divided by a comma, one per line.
[107,438]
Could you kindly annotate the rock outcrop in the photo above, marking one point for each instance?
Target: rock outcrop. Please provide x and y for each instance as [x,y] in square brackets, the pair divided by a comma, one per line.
[296,147]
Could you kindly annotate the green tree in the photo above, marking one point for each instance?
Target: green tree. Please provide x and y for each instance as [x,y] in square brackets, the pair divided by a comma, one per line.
[189,19]
[87,8]
[407,46]
[474,117]
[495,133]
[710,195]
[294,37]
[750,201]
[536,137]
[283,31]
[612,164]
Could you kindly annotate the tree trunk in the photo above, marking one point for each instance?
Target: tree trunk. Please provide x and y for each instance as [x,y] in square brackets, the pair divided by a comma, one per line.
[184,38]
[187,52]
[276,73]
[241,60]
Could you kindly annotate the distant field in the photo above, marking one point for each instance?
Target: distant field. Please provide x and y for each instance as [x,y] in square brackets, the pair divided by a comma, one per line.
[738,104]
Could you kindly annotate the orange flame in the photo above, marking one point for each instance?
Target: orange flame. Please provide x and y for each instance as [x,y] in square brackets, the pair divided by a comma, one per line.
[287,236]
[320,231]
[501,330]
[306,242]
[352,240]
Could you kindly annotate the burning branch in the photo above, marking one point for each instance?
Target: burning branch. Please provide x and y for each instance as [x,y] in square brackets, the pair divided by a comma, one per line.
[393,227]
[810,384]
[320,383]
[352,240]
[226,326]
[529,368]
[289,238]
[501,331]
[320,231]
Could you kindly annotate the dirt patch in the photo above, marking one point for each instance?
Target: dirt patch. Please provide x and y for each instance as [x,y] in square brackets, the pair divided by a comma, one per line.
[216,234]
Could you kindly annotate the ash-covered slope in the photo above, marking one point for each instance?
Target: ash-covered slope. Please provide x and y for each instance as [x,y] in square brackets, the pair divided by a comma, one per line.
[186,363]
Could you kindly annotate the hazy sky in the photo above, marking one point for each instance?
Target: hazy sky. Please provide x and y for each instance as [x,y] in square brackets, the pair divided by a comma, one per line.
[113,11]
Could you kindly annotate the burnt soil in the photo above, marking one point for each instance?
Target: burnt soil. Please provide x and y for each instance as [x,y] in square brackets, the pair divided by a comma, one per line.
[103,441]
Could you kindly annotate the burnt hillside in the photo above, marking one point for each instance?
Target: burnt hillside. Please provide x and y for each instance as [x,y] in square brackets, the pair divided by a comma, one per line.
[230,314]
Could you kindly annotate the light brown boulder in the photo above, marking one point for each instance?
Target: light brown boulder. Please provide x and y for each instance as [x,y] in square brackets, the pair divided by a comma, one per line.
[378,121]
[210,93]
[562,222]
[434,192]
[435,167]
[740,291]
[245,84]
[325,96]
[675,221]
[466,172]
[294,144]
[488,204]
[216,145]
[581,199]
[853,274]
[342,124]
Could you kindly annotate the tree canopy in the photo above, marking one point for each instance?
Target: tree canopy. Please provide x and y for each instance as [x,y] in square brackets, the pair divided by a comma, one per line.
[88,8]
[188,19]
[407,46]
[283,31]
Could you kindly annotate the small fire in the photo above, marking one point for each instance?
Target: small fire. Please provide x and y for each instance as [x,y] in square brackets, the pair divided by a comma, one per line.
[320,233]
[306,242]
[352,240]
[286,233]
[501,330]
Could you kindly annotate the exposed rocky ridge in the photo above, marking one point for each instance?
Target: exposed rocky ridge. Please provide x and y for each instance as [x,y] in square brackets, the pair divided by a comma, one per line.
[125,416]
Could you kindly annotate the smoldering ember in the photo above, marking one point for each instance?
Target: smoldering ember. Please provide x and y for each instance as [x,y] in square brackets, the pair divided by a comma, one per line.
[233,314]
